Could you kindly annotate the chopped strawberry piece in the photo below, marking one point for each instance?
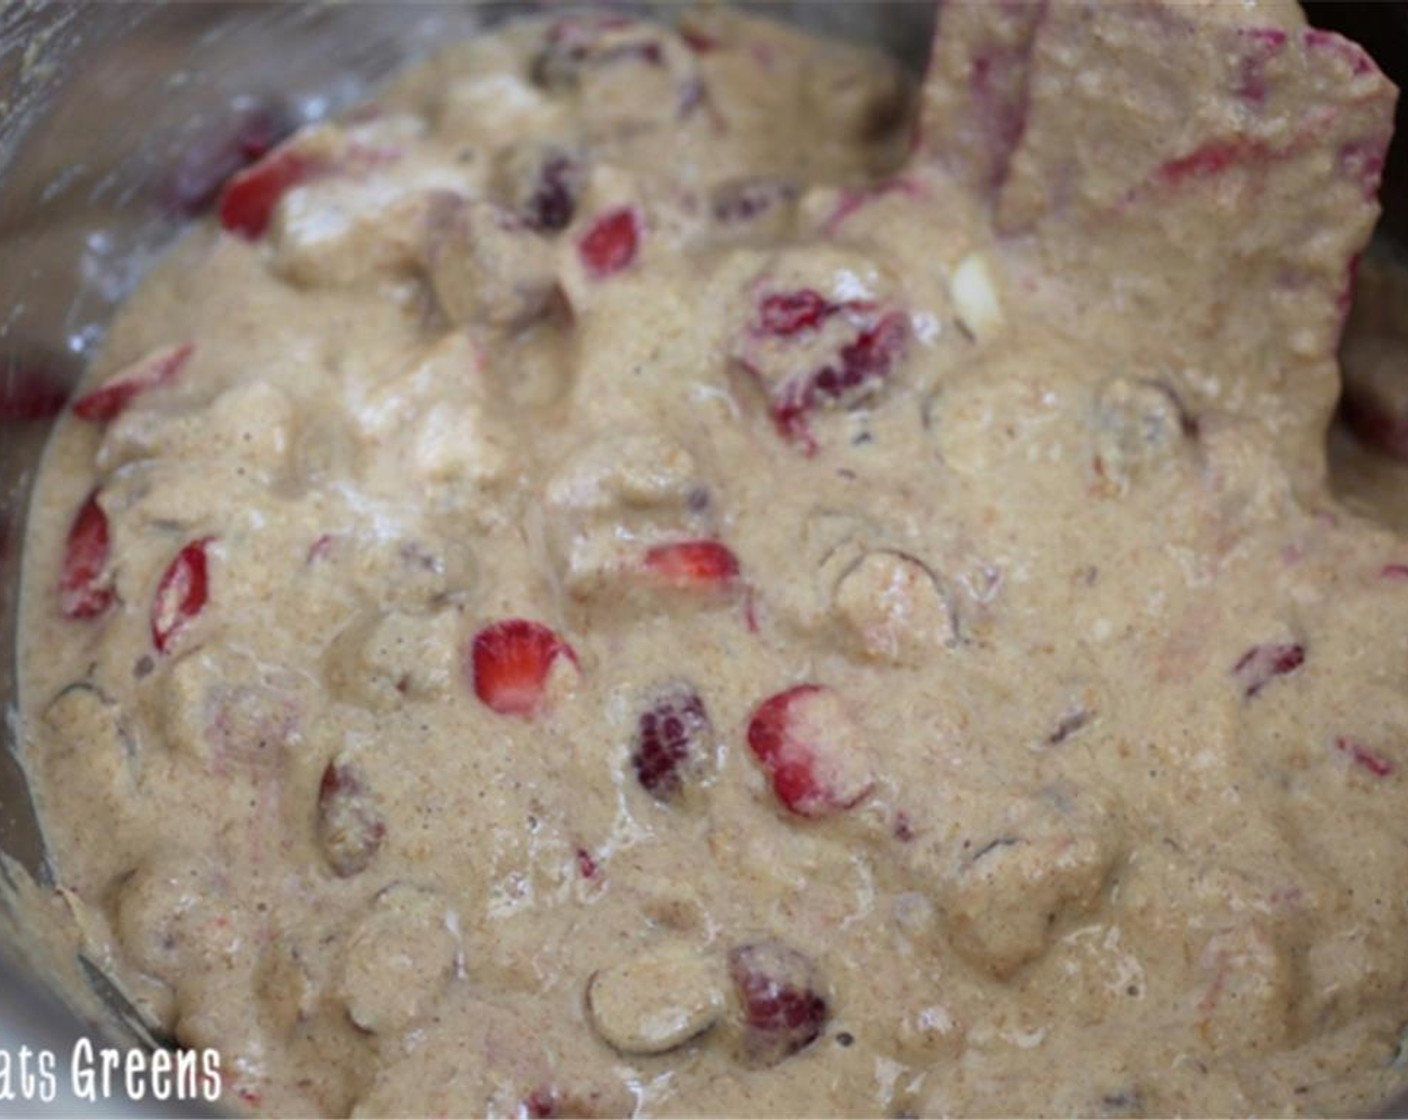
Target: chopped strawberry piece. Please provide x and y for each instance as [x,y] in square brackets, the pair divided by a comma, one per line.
[1394,572]
[247,134]
[852,346]
[811,750]
[673,742]
[861,364]
[1370,760]
[611,243]
[787,313]
[1261,664]
[85,585]
[111,398]
[181,594]
[30,393]
[510,663]
[248,200]
[350,827]
[780,993]
[692,564]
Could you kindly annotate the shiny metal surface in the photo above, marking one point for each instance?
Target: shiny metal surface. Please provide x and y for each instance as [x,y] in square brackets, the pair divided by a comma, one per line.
[101,106]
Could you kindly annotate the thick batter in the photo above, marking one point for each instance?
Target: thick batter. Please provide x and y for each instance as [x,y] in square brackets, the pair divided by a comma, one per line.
[646,573]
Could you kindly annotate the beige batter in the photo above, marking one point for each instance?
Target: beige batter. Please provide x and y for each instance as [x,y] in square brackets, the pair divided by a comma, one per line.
[647,574]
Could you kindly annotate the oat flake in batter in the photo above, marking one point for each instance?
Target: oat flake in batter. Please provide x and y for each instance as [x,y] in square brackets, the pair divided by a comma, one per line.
[655,571]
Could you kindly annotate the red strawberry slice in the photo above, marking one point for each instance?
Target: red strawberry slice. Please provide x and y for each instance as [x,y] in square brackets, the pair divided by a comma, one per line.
[248,200]
[611,243]
[510,663]
[85,585]
[111,398]
[789,313]
[181,595]
[811,749]
[692,565]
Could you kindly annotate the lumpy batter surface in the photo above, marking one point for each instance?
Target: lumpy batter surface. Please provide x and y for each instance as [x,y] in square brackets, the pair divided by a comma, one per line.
[660,570]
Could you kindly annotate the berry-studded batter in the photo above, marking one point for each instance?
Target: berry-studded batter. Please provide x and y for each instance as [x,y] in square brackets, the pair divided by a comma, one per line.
[664,571]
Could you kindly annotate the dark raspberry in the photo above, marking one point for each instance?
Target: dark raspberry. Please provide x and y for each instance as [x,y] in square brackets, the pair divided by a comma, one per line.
[780,993]
[553,202]
[673,740]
